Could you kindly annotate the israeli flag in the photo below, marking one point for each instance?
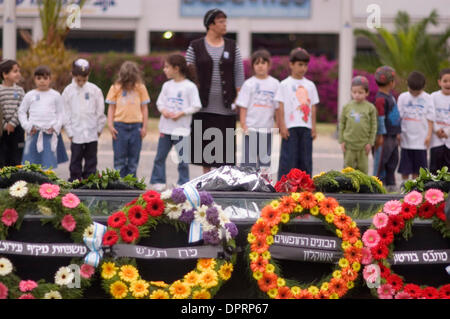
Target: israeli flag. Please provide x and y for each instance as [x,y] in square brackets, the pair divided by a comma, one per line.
[193,197]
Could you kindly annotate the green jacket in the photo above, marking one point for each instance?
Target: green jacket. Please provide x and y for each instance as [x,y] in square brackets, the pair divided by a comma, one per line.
[358,125]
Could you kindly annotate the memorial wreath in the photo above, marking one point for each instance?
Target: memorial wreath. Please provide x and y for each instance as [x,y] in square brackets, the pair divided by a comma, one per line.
[398,217]
[267,272]
[178,208]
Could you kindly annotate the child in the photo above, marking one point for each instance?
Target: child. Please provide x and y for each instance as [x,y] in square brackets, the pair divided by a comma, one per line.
[84,109]
[440,143]
[358,126]
[178,100]
[386,154]
[416,111]
[41,116]
[11,95]
[297,97]
[257,110]
[127,118]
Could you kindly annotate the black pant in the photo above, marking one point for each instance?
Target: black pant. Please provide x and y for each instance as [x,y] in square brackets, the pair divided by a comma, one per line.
[439,157]
[11,147]
[390,158]
[88,152]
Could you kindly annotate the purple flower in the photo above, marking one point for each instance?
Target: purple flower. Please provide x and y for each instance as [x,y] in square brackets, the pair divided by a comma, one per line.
[212,216]
[178,196]
[206,198]
[232,229]
[211,237]
[187,216]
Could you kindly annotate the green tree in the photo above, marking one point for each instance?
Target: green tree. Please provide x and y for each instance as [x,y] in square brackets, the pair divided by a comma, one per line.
[411,48]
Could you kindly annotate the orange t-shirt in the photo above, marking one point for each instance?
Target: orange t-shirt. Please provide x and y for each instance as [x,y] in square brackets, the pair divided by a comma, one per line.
[128,103]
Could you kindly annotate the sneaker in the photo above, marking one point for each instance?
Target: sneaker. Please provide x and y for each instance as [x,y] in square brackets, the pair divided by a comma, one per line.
[158,187]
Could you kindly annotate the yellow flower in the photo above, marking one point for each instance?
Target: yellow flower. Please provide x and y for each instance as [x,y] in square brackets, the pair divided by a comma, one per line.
[298,209]
[251,238]
[206,264]
[339,233]
[334,296]
[109,270]
[275,204]
[324,286]
[139,288]
[160,284]
[329,218]
[281,282]
[119,290]
[159,294]
[313,290]
[284,218]
[346,245]
[358,244]
[319,196]
[318,175]
[337,274]
[273,293]
[350,285]
[266,255]
[378,180]
[225,271]
[253,256]
[270,268]
[356,266]
[180,290]
[208,279]
[274,230]
[339,210]
[269,240]
[49,172]
[347,170]
[343,263]
[191,278]
[314,211]
[353,224]
[295,290]
[257,275]
[128,273]
[201,294]
[295,196]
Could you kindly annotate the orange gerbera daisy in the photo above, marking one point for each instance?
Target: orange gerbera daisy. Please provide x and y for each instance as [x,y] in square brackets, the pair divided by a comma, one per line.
[351,234]
[287,205]
[348,274]
[268,281]
[339,286]
[342,221]
[259,264]
[327,206]
[260,245]
[323,294]
[284,293]
[353,254]
[206,263]
[271,216]
[261,229]
[307,200]
[304,294]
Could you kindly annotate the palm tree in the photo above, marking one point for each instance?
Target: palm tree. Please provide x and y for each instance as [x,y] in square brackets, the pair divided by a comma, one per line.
[411,48]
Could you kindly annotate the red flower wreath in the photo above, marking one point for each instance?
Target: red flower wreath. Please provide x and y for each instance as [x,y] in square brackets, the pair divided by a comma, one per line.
[294,182]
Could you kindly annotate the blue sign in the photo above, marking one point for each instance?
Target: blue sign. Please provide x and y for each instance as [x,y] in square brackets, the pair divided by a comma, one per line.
[249,8]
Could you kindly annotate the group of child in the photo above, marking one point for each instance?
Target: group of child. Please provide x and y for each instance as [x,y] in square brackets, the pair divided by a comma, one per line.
[416,122]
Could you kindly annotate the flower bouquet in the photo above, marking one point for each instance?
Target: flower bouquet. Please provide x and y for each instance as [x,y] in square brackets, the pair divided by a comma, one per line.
[294,182]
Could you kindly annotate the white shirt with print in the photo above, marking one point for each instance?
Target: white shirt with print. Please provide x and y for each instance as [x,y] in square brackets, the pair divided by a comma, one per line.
[298,97]
[84,109]
[257,96]
[177,97]
[441,112]
[415,111]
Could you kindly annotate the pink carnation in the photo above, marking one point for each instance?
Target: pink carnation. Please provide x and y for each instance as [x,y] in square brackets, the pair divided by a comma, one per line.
[434,196]
[385,291]
[371,238]
[393,207]
[380,220]
[69,223]
[27,296]
[3,291]
[49,191]
[70,201]
[9,216]
[86,271]
[414,198]
[366,256]
[402,295]
[27,285]
[371,273]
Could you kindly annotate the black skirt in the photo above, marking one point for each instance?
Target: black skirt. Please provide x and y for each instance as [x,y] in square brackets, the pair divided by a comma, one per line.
[213,139]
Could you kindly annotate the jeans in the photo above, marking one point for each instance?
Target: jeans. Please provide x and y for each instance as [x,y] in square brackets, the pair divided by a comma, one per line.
[296,151]
[165,144]
[127,148]
[257,148]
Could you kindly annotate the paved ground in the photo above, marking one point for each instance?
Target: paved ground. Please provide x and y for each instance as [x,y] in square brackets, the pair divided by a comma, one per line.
[326,155]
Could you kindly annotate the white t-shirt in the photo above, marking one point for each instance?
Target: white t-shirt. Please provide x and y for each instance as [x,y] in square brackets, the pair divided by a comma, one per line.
[415,111]
[84,109]
[441,112]
[43,110]
[178,97]
[298,97]
[257,96]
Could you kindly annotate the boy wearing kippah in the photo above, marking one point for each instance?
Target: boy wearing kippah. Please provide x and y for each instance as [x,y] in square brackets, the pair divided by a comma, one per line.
[358,126]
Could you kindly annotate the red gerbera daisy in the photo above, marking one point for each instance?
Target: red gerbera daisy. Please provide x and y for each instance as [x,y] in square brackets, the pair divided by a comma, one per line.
[379,252]
[148,196]
[386,235]
[426,210]
[408,211]
[268,281]
[129,233]
[110,238]
[155,207]
[284,293]
[444,292]
[384,271]
[328,205]
[131,203]
[440,213]
[397,223]
[261,230]
[117,220]
[351,234]
[271,216]
[260,245]
[430,293]
[395,281]
[137,215]
[413,290]
[259,264]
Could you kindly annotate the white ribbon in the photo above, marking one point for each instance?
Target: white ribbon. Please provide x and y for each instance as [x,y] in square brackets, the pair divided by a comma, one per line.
[193,197]
[40,142]
[94,244]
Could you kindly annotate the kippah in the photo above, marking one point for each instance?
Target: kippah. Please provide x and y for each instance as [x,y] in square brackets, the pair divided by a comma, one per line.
[360,81]
[83,64]
[210,16]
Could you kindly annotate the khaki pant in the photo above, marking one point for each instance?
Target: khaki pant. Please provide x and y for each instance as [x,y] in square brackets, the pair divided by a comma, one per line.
[357,159]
